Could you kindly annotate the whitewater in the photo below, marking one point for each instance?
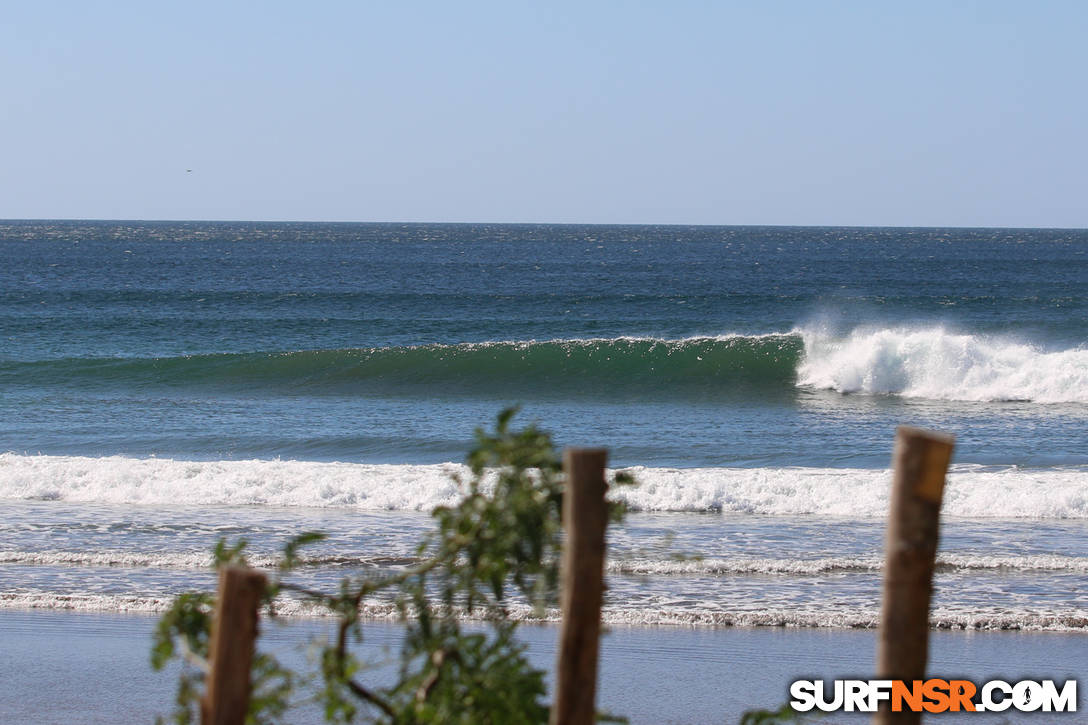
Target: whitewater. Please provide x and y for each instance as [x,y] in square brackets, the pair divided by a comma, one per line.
[165,385]
[934,363]
[1043,493]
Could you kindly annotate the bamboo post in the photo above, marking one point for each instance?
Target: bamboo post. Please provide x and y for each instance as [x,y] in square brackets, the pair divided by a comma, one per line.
[234,632]
[585,516]
[920,461]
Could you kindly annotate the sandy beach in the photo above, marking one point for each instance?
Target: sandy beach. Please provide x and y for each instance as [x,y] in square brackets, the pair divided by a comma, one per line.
[83,668]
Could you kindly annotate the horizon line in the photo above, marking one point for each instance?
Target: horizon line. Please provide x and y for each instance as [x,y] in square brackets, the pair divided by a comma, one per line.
[532,223]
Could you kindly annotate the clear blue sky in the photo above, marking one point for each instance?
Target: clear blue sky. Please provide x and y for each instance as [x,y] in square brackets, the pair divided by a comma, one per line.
[872,113]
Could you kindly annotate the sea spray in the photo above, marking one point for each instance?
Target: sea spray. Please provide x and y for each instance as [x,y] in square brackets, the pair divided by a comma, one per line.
[934,363]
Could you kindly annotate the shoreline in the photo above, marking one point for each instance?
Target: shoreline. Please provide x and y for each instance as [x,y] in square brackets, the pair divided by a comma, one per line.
[383,613]
[649,674]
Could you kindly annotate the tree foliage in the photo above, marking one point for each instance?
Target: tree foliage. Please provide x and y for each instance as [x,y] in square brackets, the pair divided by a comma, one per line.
[502,540]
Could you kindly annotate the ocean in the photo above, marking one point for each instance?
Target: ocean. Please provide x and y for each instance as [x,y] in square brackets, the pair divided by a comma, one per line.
[163,384]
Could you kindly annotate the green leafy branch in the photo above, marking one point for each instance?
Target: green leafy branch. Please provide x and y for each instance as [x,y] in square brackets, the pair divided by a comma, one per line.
[503,538]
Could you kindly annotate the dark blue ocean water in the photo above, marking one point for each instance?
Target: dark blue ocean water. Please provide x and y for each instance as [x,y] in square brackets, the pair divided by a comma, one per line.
[165,384]
[679,346]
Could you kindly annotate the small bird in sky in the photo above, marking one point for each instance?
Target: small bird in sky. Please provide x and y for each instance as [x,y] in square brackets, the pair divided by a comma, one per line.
[188,171]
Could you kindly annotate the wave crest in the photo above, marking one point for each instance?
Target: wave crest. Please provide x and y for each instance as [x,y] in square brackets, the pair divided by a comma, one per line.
[927,362]
[937,364]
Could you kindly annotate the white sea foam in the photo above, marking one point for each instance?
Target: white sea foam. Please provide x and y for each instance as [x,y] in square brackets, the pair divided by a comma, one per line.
[972,491]
[181,560]
[715,566]
[942,365]
[161,481]
[841,617]
[830,617]
[709,566]
[194,560]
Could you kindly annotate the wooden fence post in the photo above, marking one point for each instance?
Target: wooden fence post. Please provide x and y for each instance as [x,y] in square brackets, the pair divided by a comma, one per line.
[585,516]
[234,632]
[920,461]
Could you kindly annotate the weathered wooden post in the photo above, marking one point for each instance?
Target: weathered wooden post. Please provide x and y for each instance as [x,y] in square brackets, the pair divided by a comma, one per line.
[234,632]
[585,516]
[920,461]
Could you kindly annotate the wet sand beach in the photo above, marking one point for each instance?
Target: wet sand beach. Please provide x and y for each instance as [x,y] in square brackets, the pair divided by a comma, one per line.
[82,668]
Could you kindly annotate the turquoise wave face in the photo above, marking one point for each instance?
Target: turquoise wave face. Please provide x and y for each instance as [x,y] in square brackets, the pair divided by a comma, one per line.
[560,368]
[925,363]
[160,381]
[153,290]
[685,346]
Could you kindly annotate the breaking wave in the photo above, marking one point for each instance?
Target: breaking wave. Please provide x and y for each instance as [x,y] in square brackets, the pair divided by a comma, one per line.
[972,491]
[941,365]
[527,368]
[926,362]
